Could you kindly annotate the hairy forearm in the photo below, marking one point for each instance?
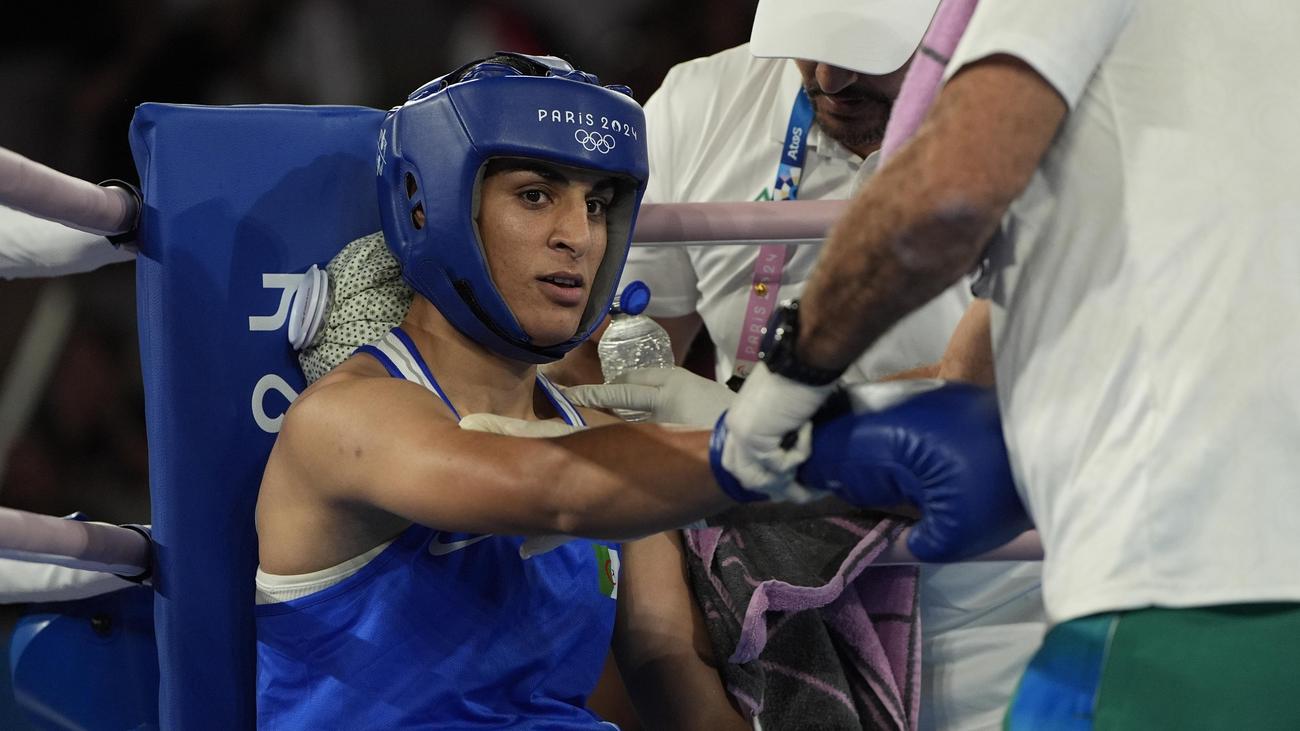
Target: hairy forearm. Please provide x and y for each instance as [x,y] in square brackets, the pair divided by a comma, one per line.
[900,244]
[923,220]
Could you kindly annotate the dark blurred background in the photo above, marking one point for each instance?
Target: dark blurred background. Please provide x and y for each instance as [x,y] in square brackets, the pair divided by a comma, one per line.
[71,412]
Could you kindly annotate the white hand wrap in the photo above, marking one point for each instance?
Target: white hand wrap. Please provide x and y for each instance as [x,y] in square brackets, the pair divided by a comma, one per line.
[767,409]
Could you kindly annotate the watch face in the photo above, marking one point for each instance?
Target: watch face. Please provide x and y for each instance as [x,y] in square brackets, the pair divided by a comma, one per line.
[777,349]
[776,335]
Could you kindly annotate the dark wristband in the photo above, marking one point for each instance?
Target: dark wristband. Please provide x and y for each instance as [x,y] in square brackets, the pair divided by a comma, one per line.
[778,349]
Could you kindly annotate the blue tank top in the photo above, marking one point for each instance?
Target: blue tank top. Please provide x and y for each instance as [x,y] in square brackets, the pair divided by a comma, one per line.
[443,630]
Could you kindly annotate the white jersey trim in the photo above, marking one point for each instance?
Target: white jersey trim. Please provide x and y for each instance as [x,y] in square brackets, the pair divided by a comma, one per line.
[395,349]
[277,588]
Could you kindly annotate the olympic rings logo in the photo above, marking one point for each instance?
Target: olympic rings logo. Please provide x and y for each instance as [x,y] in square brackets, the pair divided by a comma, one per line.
[594,141]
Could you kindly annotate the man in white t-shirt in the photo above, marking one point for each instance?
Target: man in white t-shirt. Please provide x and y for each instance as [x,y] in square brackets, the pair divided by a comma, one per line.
[1141,290]
[719,129]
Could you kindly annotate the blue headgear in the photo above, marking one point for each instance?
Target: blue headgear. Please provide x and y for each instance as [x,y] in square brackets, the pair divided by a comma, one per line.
[432,151]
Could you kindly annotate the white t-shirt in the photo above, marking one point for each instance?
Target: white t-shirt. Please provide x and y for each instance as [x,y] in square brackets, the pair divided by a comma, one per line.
[1144,301]
[716,129]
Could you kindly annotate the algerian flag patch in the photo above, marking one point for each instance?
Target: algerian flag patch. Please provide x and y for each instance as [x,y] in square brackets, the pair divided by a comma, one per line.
[607,568]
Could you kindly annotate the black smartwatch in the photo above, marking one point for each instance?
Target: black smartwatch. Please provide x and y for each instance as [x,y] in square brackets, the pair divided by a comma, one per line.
[777,350]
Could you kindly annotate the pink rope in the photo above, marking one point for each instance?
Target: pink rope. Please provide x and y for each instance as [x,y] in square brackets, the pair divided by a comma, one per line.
[922,81]
[735,223]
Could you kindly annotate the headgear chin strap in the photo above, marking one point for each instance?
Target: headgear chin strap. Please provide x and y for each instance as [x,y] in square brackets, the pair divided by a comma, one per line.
[432,150]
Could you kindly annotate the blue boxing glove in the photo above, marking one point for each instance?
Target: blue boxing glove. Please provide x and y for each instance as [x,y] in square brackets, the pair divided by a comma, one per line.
[935,445]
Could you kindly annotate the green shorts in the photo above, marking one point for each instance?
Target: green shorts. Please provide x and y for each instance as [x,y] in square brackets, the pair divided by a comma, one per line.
[1227,667]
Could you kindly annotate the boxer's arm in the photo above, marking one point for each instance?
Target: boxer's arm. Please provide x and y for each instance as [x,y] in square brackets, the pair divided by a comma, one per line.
[384,443]
[663,648]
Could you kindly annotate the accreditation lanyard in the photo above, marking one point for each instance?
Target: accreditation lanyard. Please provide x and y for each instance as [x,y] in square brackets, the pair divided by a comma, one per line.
[771,257]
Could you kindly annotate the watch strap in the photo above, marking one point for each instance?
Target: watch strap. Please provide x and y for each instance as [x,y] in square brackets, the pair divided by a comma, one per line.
[780,354]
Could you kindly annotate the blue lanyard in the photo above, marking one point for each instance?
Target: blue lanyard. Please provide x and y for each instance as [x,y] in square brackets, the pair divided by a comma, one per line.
[795,149]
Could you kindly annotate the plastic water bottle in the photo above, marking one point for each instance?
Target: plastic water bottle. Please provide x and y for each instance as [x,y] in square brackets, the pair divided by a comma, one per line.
[633,340]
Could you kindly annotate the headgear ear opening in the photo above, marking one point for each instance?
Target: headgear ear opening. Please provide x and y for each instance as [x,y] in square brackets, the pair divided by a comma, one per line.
[515,106]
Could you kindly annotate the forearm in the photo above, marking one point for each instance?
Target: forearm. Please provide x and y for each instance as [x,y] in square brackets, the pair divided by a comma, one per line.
[923,220]
[886,257]
[628,480]
[379,443]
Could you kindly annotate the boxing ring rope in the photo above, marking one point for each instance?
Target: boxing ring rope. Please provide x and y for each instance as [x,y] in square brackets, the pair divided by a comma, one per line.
[33,188]
[73,543]
[41,191]
[793,223]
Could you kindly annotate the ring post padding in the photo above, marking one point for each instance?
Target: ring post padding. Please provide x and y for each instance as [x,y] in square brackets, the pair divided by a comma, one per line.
[238,202]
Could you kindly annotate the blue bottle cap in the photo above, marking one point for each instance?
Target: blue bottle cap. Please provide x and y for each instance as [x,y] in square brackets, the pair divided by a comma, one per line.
[634,298]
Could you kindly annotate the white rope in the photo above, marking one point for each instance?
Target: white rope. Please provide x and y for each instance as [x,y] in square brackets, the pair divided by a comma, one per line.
[72,543]
[45,192]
